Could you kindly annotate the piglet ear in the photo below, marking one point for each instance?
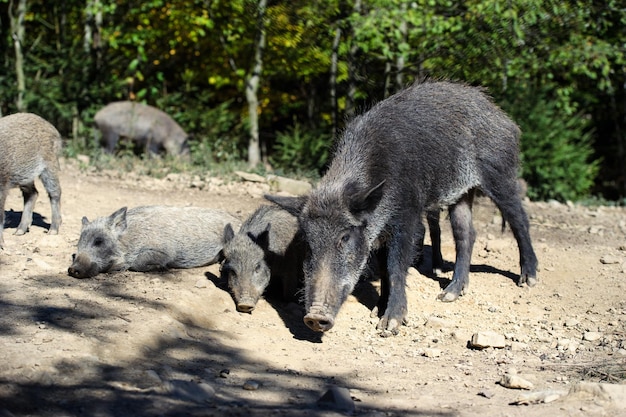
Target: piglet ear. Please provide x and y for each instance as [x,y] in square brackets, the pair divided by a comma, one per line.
[85,221]
[362,202]
[117,220]
[263,238]
[229,233]
[292,205]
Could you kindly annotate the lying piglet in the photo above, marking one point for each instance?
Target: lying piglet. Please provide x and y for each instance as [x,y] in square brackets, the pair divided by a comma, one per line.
[150,238]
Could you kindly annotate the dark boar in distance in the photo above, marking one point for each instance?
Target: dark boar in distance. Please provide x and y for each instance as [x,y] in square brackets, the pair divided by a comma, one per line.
[149,128]
[29,148]
[427,147]
[268,248]
[150,238]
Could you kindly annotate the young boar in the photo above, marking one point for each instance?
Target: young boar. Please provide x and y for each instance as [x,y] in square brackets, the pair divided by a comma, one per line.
[429,146]
[148,127]
[267,247]
[29,148]
[150,238]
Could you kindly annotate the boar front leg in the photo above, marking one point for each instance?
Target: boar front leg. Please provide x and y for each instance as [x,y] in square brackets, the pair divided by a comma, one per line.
[400,254]
[150,260]
[30,194]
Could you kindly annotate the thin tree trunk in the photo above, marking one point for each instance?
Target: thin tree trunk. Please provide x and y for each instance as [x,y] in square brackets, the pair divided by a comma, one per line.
[333,81]
[17,33]
[352,75]
[252,87]
[400,61]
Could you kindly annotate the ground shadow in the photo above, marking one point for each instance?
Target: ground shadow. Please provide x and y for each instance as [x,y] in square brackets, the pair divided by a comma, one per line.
[159,380]
[12,220]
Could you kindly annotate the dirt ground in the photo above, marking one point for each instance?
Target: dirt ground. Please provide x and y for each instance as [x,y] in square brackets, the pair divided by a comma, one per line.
[136,344]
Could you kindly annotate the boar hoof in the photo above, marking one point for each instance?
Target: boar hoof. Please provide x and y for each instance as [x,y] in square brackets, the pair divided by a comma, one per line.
[318,322]
[20,232]
[388,327]
[528,280]
[447,297]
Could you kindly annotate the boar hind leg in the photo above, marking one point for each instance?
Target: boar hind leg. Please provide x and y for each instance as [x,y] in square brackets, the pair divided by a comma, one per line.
[50,181]
[464,237]
[3,198]
[30,197]
[508,201]
[432,217]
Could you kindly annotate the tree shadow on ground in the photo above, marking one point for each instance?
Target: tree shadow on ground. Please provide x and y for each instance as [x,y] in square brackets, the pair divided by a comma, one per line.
[181,375]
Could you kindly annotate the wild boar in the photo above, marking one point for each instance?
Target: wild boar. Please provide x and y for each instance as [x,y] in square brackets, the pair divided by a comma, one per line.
[150,238]
[267,247]
[29,148]
[148,127]
[427,147]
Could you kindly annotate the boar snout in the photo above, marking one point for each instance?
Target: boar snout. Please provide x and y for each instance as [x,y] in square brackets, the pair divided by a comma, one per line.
[319,322]
[82,267]
[246,307]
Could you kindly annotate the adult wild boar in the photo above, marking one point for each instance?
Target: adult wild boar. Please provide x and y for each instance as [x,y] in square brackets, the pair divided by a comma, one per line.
[150,238]
[148,127]
[426,147]
[29,148]
[267,248]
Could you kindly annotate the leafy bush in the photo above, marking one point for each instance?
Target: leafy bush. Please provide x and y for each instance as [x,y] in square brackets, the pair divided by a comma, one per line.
[557,154]
[299,151]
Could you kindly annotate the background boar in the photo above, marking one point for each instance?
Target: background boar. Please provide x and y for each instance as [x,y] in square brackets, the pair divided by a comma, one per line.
[268,247]
[150,238]
[29,148]
[428,146]
[148,127]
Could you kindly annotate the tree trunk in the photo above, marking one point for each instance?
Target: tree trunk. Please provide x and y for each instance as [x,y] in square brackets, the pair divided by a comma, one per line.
[350,101]
[252,87]
[17,33]
[400,60]
[333,81]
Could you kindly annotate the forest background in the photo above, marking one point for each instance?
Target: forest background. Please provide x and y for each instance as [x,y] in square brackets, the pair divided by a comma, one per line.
[272,83]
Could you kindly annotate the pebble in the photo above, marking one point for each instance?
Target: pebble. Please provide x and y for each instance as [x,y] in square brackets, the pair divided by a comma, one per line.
[201,283]
[592,336]
[514,381]
[251,385]
[610,260]
[337,398]
[432,352]
[487,339]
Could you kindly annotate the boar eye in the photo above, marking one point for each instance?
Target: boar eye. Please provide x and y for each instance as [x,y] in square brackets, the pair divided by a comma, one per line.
[98,241]
[345,238]
[257,268]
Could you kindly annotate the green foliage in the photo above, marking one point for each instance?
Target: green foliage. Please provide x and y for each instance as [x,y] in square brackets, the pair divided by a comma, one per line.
[557,154]
[299,151]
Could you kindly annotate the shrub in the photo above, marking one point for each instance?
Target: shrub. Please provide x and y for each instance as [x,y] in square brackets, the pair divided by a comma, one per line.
[299,151]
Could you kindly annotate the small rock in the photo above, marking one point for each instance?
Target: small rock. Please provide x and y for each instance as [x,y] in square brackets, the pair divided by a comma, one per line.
[337,398]
[224,373]
[487,339]
[288,185]
[251,385]
[434,322]
[497,245]
[201,283]
[249,176]
[610,260]
[486,393]
[571,322]
[432,352]
[515,382]
[190,390]
[592,336]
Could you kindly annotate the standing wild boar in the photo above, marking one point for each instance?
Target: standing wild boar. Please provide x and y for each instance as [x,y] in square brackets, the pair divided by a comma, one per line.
[150,238]
[428,146]
[148,127]
[29,148]
[268,247]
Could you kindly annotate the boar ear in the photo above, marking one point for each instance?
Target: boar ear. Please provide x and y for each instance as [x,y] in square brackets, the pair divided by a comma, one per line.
[118,220]
[229,233]
[363,202]
[85,221]
[292,205]
[263,238]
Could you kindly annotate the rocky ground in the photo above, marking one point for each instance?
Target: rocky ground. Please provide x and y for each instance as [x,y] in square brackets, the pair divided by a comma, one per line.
[135,344]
